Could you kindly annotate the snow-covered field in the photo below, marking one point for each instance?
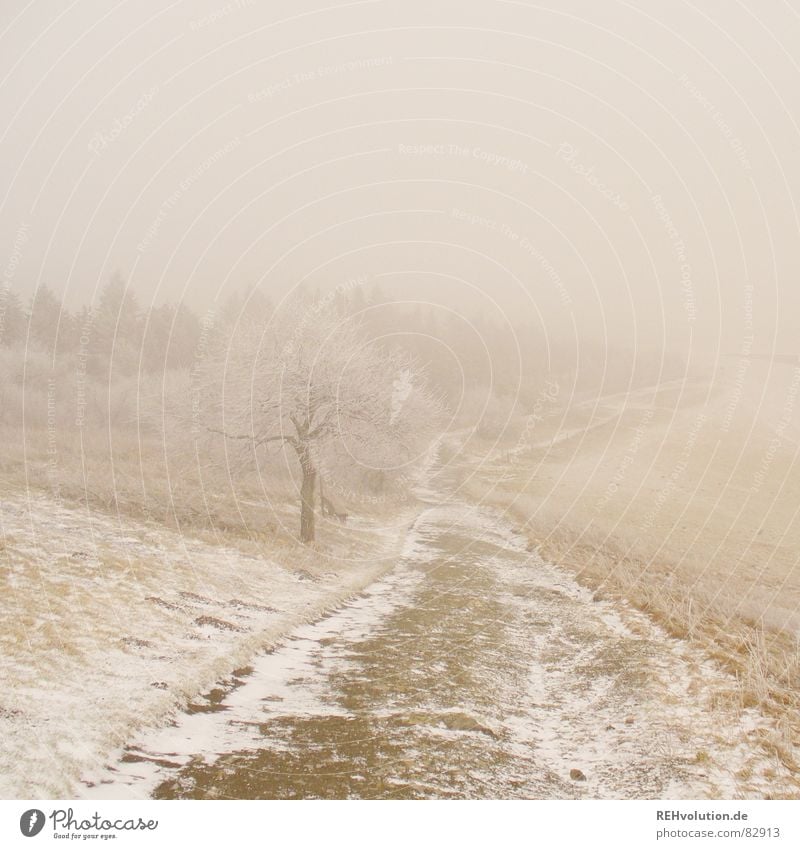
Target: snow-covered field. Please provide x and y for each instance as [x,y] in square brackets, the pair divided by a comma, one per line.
[109,625]
[472,669]
[681,498]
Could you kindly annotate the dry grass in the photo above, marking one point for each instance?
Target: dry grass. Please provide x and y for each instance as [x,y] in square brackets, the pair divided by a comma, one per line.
[214,495]
[708,552]
[109,624]
[765,663]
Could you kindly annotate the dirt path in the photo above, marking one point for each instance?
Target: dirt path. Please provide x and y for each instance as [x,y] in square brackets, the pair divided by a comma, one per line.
[108,625]
[473,669]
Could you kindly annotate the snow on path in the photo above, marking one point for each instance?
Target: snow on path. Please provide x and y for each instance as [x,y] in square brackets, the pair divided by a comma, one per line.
[109,625]
[473,669]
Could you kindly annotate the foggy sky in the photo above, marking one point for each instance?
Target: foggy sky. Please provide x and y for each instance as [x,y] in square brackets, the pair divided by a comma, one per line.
[626,171]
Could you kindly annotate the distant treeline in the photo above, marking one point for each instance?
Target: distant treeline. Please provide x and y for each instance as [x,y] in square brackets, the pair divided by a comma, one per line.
[480,364]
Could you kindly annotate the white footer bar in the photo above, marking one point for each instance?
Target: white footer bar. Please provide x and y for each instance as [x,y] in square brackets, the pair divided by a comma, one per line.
[357,824]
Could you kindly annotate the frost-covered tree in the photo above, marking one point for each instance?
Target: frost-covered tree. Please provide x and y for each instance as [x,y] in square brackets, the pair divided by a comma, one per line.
[45,313]
[12,318]
[169,338]
[309,379]
[116,330]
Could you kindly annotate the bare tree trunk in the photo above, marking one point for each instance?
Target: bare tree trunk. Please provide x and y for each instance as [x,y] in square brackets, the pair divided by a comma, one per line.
[307,490]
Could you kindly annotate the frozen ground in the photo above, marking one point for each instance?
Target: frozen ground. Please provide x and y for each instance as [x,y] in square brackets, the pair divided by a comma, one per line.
[110,625]
[696,481]
[472,669]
